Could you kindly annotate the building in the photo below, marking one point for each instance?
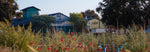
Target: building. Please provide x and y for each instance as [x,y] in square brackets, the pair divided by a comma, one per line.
[96,26]
[62,22]
[28,13]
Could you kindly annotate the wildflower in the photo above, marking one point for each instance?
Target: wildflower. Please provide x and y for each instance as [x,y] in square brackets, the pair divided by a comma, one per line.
[109,50]
[100,49]
[74,38]
[49,48]
[39,48]
[97,49]
[105,47]
[40,44]
[95,45]
[147,42]
[108,45]
[61,48]
[66,48]
[69,36]
[85,48]
[121,51]
[62,40]
[72,33]
[31,44]
[69,48]
[53,45]
[146,48]
[90,44]
[54,50]
[79,45]
[111,46]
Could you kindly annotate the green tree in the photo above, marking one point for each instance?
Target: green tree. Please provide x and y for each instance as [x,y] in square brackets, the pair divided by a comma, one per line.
[42,22]
[124,12]
[77,21]
[7,9]
[90,13]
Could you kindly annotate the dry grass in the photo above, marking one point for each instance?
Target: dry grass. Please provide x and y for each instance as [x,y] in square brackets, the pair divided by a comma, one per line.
[24,40]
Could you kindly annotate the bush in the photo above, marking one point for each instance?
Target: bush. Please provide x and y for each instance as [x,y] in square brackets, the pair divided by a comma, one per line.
[25,40]
[17,37]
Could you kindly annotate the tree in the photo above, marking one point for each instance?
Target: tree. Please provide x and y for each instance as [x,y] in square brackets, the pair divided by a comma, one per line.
[7,9]
[124,12]
[90,14]
[42,22]
[18,15]
[77,21]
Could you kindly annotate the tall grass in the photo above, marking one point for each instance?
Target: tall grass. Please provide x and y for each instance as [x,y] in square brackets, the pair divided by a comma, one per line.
[17,37]
[25,40]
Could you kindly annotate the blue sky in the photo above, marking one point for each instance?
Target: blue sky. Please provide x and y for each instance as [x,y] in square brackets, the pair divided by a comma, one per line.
[63,6]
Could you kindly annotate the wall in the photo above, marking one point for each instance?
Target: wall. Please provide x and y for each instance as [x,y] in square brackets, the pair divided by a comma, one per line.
[61,18]
[30,13]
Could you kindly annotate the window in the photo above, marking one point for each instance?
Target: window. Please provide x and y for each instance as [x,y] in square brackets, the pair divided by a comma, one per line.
[58,15]
[59,19]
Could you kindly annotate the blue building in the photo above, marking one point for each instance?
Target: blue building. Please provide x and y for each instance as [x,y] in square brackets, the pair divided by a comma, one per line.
[62,22]
[28,13]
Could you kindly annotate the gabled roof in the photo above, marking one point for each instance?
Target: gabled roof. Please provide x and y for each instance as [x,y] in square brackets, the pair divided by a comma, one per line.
[57,13]
[29,7]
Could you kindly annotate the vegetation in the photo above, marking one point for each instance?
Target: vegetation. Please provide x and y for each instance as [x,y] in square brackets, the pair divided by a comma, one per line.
[77,21]
[7,9]
[90,14]
[42,22]
[24,40]
[124,12]
[17,37]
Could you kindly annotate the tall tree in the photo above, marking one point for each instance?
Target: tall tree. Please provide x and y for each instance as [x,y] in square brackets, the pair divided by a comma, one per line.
[77,21]
[90,14]
[42,22]
[124,12]
[7,9]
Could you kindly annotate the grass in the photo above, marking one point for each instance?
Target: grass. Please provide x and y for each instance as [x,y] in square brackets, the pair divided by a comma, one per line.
[18,39]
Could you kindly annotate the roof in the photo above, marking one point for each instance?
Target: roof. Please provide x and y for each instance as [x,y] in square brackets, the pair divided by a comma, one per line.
[29,7]
[21,22]
[57,13]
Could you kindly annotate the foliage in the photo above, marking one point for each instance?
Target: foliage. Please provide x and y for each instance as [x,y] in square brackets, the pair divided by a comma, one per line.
[24,40]
[42,22]
[134,41]
[78,21]
[90,14]
[124,12]
[7,9]
[17,37]
[19,15]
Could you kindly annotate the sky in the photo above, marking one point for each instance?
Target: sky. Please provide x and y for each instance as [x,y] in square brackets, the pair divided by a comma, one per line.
[64,6]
